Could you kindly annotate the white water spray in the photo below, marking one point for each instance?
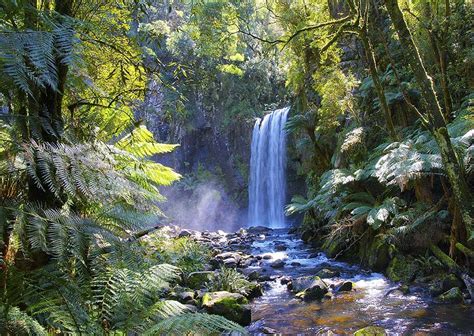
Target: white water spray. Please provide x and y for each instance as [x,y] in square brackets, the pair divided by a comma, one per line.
[267,187]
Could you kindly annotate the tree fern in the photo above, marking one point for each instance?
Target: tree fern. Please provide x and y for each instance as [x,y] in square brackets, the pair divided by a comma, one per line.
[141,143]
[17,322]
[28,59]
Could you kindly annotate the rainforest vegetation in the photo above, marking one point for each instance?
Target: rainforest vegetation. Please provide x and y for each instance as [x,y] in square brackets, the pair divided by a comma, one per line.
[109,106]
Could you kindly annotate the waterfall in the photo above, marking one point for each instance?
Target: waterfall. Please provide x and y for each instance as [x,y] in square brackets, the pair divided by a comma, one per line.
[267,186]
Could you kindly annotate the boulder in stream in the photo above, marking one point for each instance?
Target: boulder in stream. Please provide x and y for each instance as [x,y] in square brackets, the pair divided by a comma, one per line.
[454,295]
[308,288]
[258,229]
[184,233]
[371,331]
[345,286]
[278,263]
[327,273]
[232,306]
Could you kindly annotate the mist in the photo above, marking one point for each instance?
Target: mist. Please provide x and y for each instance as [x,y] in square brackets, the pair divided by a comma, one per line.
[205,206]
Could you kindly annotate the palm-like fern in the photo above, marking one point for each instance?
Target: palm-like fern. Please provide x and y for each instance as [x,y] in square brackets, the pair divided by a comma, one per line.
[195,324]
[29,59]
[418,155]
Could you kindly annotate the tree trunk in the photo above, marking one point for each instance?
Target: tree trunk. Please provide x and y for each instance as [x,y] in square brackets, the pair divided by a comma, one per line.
[369,51]
[434,116]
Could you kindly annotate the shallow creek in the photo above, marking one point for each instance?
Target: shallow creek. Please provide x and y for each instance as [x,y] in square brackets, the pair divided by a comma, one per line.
[369,304]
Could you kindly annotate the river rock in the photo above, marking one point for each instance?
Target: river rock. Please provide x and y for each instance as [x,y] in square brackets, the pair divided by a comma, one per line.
[317,290]
[371,331]
[230,262]
[454,295]
[402,268]
[293,230]
[258,229]
[232,306]
[280,247]
[268,331]
[256,290]
[242,232]
[308,287]
[184,233]
[301,283]
[267,256]
[344,287]
[451,281]
[285,280]
[186,296]
[326,273]
[253,275]
[278,263]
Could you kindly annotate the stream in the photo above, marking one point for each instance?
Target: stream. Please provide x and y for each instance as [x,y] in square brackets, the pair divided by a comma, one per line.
[278,311]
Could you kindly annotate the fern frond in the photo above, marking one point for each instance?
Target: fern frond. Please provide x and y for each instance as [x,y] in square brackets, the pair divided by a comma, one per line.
[141,143]
[194,324]
[18,322]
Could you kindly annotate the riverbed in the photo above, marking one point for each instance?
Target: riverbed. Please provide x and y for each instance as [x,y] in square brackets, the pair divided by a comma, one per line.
[374,301]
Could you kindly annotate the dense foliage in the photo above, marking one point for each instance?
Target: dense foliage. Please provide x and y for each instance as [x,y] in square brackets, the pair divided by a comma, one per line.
[78,184]
[391,170]
[382,130]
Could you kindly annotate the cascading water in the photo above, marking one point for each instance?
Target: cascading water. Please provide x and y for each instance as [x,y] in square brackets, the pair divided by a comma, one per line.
[267,186]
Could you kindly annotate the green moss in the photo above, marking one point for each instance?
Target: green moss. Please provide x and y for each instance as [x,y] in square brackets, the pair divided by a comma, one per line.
[454,295]
[376,254]
[401,269]
[331,248]
[370,331]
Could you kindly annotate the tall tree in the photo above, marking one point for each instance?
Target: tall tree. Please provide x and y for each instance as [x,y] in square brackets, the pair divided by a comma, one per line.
[433,117]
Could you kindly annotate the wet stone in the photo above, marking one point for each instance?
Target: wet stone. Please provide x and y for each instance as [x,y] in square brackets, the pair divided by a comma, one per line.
[326,273]
[278,264]
[346,286]
[184,233]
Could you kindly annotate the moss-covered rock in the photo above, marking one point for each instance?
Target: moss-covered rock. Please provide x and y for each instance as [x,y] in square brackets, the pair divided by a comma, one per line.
[232,306]
[402,269]
[371,331]
[309,288]
[454,295]
[345,286]
[197,280]
[377,254]
[327,273]
[332,248]
[451,281]
[255,290]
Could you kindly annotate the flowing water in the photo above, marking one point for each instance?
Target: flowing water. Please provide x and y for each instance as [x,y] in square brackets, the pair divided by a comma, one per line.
[267,187]
[374,300]
[412,314]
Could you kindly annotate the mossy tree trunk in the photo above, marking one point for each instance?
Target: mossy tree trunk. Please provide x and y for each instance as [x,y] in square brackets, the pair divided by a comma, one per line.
[41,112]
[434,117]
[363,34]
[370,54]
